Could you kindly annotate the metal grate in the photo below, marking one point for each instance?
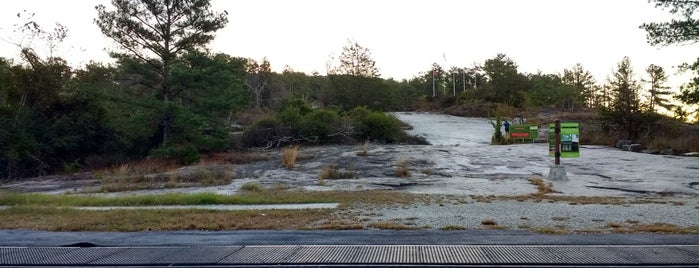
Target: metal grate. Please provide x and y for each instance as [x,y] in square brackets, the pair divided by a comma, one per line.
[518,255]
[261,255]
[355,255]
[81,256]
[197,255]
[653,255]
[136,256]
[26,256]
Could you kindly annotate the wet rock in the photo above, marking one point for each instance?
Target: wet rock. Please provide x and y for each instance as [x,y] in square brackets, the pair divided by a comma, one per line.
[651,151]
[620,144]
[667,152]
[636,147]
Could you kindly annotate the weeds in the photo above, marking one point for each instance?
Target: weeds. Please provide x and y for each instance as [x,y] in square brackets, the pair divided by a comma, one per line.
[452,228]
[330,172]
[402,169]
[489,222]
[364,149]
[392,226]
[289,156]
[63,219]
[251,187]
[542,188]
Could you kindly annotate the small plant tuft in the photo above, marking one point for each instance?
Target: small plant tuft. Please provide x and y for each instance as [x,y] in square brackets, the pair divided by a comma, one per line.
[402,168]
[252,187]
[289,156]
[364,149]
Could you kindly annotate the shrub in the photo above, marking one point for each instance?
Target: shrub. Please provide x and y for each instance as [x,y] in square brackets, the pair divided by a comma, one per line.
[251,187]
[402,168]
[289,156]
[364,149]
[181,153]
[376,125]
[320,125]
[497,134]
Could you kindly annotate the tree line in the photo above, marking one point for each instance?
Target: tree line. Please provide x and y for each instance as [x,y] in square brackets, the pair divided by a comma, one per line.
[167,96]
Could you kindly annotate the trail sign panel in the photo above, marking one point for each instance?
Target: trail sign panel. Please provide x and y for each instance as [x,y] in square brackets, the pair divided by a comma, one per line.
[570,140]
[524,131]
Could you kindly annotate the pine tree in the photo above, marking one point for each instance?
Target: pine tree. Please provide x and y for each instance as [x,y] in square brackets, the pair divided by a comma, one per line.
[658,92]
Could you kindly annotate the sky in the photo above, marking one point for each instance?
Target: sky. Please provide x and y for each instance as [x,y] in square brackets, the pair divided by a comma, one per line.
[404,36]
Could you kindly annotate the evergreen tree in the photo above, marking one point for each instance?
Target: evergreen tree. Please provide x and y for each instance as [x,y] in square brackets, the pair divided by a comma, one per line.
[583,83]
[157,32]
[658,92]
[684,30]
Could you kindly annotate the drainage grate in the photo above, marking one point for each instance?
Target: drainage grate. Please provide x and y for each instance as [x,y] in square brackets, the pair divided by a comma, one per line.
[324,254]
[261,255]
[355,255]
[81,256]
[518,255]
[136,256]
[652,255]
[26,256]
[585,255]
[453,254]
[197,255]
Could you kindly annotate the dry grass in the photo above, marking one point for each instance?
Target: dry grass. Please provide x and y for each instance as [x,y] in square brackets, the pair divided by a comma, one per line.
[390,225]
[336,225]
[142,167]
[560,218]
[364,149]
[550,230]
[330,172]
[230,158]
[542,188]
[662,228]
[289,156]
[54,219]
[252,187]
[489,222]
[194,176]
[402,170]
[452,228]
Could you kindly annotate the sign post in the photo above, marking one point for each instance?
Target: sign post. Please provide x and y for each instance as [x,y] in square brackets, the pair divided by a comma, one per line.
[564,141]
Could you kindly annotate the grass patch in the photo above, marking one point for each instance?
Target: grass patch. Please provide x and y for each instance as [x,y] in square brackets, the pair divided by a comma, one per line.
[542,188]
[576,200]
[662,228]
[336,225]
[330,172]
[392,226]
[53,219]
[452,228]
[185,177]
[489,222]
[251,187]
[289,156]
[230,158]
[364,149]
[550,230]
[560,218]
[402,168]
[266,196]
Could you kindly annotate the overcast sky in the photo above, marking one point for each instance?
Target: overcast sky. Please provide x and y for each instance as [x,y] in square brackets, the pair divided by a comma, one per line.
[404,36]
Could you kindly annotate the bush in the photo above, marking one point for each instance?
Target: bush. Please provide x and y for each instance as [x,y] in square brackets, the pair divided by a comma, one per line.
[376,125]
[181,153]
[297,123]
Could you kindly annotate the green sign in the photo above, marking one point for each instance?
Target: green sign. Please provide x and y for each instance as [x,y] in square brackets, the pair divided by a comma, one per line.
[524,131]
[570,140]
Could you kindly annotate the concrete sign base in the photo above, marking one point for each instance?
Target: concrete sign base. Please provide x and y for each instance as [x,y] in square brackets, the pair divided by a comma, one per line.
[557,173]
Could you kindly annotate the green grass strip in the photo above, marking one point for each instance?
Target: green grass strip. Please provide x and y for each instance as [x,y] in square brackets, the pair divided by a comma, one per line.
[16,199]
